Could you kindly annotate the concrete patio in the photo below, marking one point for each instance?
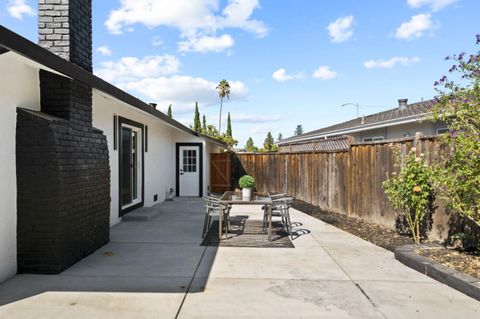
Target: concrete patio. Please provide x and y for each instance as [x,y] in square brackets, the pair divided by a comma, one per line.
[157,269]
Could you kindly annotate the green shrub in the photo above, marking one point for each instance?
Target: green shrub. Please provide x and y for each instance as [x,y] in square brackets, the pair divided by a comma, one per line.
[246,181]
[410,190]
[457,104]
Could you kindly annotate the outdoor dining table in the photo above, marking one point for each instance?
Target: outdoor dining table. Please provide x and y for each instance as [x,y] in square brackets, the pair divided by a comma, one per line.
[233,198]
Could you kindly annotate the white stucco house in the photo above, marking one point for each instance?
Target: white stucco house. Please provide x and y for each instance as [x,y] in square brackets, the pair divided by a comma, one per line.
[146,153]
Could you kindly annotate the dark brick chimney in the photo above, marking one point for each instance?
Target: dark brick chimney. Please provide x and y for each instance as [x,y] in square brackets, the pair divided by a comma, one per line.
[63,172]
[65,28]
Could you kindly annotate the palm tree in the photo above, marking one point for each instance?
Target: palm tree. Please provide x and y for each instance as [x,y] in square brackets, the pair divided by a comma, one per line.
[223,91]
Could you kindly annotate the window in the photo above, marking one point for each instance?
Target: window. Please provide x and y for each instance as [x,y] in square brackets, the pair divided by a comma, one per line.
[442,130]
[373,138]
[190,161]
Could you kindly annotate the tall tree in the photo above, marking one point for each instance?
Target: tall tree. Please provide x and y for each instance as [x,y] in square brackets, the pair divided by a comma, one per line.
[223,91]
[299,130]
[229,126]
[169,112]
[250,146]
[204,124]
[280,137]
[196,120]
[269,143]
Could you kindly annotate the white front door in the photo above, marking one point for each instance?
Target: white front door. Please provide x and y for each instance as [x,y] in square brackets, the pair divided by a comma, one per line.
[189,174]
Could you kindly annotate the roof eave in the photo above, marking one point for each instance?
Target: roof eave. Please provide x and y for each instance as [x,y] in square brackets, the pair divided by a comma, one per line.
[355,129]
[11,41]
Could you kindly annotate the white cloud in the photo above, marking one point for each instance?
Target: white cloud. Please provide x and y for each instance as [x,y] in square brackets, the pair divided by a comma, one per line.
[416,27]
[237,15]
[19,8]
[260,130]
[324,73]
[104,50]
[340,30]
[281,75]
[129,68]
[183,91]
[390,63]
[195,19]
[206,44]
[435,5]
[249,118]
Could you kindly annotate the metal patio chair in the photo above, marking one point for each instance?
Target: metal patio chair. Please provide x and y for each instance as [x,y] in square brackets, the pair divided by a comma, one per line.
[280,208]
[214,208]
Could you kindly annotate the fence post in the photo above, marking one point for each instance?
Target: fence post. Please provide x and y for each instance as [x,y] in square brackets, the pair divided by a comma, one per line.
[286,173]
[417,143]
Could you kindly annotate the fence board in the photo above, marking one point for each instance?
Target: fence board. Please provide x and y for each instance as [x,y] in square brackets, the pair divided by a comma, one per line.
[347,182]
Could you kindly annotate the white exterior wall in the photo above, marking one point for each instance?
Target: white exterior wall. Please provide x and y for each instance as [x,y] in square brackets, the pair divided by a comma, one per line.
[208,148]
[19,87]
[159,161]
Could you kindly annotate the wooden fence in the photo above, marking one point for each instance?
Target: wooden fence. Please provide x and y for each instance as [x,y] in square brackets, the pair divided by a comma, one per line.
[347,182]
[220,172]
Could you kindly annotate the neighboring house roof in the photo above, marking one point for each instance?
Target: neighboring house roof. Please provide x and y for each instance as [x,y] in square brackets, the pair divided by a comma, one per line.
[409,114]
[11,41]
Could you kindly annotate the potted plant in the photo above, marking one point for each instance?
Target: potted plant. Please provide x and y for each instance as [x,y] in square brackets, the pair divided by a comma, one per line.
[246,183]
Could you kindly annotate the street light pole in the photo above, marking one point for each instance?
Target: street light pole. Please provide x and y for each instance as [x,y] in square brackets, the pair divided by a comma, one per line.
[357,107]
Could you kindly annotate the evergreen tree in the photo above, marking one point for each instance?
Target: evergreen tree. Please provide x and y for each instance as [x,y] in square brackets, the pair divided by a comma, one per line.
[280,137]
[250,146]
[196,120]
[229,126]
[268,145]
[169,112]
[299,130]
[204,125]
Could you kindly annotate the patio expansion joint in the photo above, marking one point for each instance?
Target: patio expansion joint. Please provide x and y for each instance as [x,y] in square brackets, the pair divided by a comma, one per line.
[191,283]
[352,280]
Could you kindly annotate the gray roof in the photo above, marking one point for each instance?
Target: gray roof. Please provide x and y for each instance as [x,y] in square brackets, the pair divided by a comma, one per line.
[390,116]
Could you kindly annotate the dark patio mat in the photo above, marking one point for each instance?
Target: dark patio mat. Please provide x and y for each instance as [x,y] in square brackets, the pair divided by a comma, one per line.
[248,233]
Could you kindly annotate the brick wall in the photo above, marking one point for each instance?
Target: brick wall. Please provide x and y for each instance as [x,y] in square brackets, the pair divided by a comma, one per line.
[66,98]
[63,173]
[65,28]
[63,195]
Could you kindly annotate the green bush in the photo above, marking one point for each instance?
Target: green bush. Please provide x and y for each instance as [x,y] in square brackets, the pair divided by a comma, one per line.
[457,174]
[246,181]
[410,190]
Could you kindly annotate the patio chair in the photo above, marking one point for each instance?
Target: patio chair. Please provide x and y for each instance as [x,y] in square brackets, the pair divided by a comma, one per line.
[212,209]
[280,208]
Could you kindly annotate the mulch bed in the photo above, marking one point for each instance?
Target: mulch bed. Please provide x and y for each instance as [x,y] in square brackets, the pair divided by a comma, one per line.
[379,235]
[465,262]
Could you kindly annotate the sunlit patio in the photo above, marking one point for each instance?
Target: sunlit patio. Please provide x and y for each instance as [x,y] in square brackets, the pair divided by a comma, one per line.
[159,269]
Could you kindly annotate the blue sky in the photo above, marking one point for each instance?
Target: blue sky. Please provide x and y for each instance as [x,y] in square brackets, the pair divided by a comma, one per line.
[289,62]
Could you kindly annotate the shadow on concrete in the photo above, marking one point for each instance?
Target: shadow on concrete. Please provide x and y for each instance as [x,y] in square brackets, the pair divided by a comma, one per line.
[160,255]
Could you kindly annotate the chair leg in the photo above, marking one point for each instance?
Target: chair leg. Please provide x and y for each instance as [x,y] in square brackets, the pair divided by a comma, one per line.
[205,229]
[264,225]
[289,223]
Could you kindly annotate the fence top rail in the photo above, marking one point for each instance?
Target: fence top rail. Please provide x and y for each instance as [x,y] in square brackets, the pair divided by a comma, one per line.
[396,140]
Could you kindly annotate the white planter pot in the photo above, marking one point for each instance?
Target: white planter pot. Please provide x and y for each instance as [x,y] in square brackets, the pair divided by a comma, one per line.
[247,194]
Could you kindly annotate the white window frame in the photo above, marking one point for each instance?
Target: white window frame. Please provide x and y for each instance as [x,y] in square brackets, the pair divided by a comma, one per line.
[373,138]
